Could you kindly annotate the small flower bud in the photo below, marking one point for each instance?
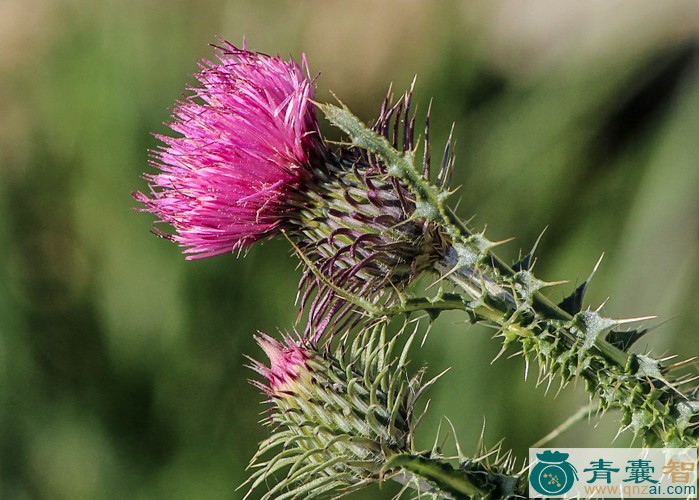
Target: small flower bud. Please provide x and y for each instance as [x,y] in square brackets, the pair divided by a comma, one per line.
[336,418]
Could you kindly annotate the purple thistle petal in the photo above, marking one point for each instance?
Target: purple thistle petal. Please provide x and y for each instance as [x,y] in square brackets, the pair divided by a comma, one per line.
[287,362]
[248,141]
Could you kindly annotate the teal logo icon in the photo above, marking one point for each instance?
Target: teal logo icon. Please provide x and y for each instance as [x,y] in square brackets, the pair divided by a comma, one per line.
[553,474]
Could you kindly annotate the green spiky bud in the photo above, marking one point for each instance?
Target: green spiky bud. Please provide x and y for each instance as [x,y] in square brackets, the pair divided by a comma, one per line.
[336,418]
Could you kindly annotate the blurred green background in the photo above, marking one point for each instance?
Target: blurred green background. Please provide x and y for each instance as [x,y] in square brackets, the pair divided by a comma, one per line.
[121,365]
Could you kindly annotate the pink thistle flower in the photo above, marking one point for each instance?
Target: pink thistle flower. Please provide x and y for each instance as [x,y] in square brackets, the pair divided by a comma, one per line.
[249,140]
[287,363]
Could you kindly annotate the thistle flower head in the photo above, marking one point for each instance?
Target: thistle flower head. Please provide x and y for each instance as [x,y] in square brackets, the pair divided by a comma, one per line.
[249,162]
[248,142]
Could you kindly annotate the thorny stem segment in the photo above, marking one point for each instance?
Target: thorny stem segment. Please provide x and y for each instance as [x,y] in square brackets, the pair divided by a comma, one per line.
[566,340]
[437,478]
[450,481]
[480,288]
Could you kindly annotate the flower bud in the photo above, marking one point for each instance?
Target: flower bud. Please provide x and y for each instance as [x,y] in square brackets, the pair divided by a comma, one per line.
[336,418]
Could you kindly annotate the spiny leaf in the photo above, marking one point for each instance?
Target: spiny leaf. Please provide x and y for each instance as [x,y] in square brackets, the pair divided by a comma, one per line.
[526,263]
[574,302]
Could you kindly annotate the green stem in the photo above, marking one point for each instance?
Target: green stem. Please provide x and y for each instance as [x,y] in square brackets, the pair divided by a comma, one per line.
[455,483]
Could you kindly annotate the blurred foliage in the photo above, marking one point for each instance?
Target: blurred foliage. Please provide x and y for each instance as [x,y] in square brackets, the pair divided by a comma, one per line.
[122,366]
